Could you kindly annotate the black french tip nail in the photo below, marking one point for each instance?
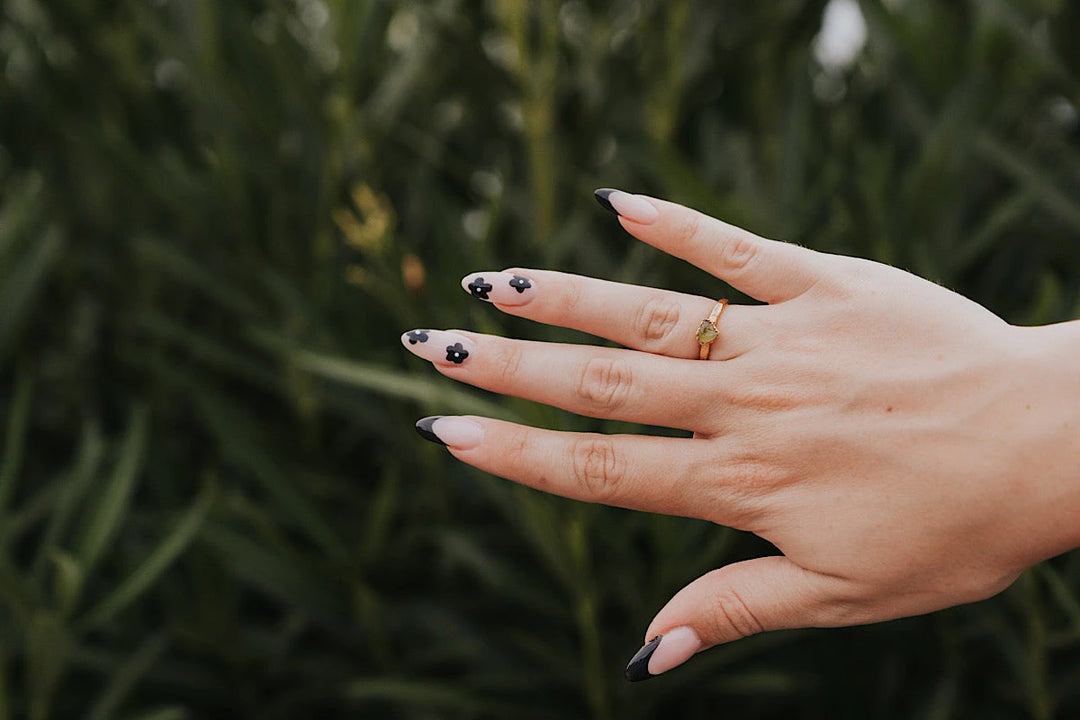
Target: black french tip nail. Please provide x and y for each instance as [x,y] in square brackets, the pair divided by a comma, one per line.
[423,427]
[602,198]
[638,668]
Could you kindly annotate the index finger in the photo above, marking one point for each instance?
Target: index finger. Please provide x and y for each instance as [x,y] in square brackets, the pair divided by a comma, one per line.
[768,270]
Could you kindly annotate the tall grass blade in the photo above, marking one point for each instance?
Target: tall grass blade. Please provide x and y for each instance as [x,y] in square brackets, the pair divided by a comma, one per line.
[168,713]
[48,649]
[18,423]
[1033,179]
[75,486]
[5,695]
[67,582]
[167,551]
[23,285]
[429,392]
[126,677]
[103,522]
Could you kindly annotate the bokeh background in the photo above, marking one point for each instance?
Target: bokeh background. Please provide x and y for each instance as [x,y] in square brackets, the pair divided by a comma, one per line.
[217,217]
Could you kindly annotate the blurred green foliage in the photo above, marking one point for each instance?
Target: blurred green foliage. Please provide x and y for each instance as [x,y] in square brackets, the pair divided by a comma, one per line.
[217,217]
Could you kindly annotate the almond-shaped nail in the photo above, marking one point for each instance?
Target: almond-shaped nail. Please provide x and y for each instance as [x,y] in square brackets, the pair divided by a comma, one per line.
[456,432]
[438,346]
[662,653]
[502,288]
[635,208]
[638,667]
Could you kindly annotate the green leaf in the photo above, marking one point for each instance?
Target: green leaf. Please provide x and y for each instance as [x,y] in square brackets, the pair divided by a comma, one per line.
[5,695]
[244,451]
[430,392]
[48,650]
[276,571]
[74,488]
[67,583]
[166,713]
[126,676]
[17,594]
[164,256]
[433,696]
[167,551]
[18,424]
[104,522]
[1035,180]
[22,286]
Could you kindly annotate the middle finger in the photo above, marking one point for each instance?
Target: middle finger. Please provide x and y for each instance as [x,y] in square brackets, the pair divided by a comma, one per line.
[595,381]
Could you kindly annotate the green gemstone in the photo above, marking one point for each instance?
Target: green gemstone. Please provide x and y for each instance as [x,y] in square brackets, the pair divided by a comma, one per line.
[707,332]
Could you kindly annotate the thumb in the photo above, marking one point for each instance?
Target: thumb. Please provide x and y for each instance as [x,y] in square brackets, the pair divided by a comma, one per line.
[769,593]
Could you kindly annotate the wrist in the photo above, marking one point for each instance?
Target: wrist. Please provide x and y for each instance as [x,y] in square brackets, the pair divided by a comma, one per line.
[1047,403]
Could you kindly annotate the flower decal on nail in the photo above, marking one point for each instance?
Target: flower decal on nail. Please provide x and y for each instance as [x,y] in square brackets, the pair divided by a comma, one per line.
[456,353]
[479,288]
[417,336]
[521,284]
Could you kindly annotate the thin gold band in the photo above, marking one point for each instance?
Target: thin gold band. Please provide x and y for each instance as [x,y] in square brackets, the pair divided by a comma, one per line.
[707,331]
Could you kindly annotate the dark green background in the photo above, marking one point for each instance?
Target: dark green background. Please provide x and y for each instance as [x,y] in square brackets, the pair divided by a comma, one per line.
[217,217]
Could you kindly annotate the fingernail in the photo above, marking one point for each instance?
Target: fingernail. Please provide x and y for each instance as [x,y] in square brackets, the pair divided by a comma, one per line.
[456,432]
[662,653]
[438,346]
[502,288]
[634,208]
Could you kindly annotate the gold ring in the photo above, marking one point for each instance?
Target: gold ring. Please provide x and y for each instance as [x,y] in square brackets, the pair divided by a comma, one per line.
[707,331]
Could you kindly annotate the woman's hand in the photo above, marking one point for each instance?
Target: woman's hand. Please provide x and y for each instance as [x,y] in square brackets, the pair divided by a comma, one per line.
[905,449]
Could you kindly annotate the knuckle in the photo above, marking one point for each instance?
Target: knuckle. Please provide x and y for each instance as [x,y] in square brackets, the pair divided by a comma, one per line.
[734,618]
[687,229]
[737,252]
[656,318]
[597,469]
[518,450]
[508,362]
[571,295]
[771,397]
[522,451]
[604,384]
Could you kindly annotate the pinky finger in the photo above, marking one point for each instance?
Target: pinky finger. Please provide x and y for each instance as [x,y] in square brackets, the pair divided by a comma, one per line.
[655,474]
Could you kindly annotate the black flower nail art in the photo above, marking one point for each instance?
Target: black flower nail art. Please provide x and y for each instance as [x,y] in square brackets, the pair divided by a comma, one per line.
[479,288]
[417,336]
[456,353]
[521,284]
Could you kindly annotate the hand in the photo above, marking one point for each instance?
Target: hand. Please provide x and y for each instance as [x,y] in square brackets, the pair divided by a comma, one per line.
[884,433]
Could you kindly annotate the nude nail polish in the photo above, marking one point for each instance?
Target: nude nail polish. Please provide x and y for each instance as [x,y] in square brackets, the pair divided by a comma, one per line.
[439,346]
[501,288]
[663,653]
[635,208]
[456,432]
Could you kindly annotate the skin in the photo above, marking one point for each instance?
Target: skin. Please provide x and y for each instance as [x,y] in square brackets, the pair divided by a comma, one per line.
[905,449]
